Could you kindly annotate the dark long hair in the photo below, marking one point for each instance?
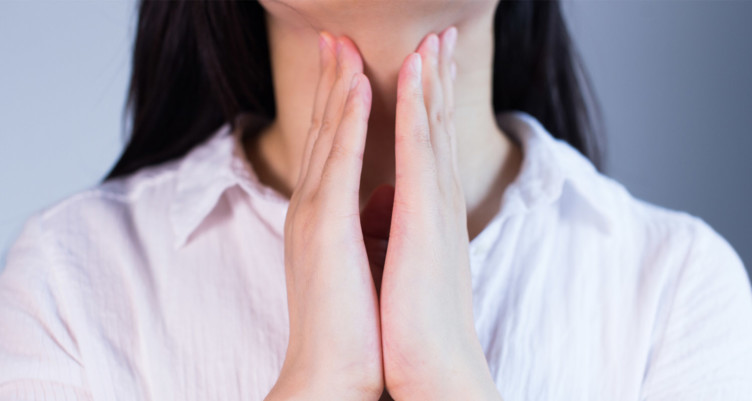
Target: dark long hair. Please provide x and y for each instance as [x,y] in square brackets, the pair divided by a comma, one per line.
[198,64]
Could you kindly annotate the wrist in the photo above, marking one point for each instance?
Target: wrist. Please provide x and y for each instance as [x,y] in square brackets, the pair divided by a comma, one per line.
[465,378]
[456,389]
[318,387]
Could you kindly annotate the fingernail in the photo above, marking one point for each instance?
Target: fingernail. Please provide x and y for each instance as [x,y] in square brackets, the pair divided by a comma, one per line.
[452,39]
[339,46]
[433,44]
[417,65]
[355,80]
[322,41]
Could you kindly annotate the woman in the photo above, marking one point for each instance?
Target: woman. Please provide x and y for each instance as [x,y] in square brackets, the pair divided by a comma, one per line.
[355,200]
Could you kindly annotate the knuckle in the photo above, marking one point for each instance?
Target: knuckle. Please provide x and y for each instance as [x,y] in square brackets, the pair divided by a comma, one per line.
[431,170]
[409,95]
[328,71]
[326,125]
[457,187]
[297,191]
[457,199]
[315,123]
[329,174]
[294,197]
[422,135]
[338,152]
[305,228]
[437,116]
[327,177]
[307,207]
[354,109]
[342,153]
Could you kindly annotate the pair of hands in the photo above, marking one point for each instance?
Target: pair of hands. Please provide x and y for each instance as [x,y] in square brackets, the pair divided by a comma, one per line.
[364,317]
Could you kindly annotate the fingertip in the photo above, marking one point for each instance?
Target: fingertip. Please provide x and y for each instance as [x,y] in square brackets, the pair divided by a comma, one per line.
[359,87]
[451,39]
[409,79]
[415,63]
[365,87]
[326,49]
[417,67]
[355,81]
[339,46]
[326,42]
[448,40]
[430,43]
[351,53]
[359,82]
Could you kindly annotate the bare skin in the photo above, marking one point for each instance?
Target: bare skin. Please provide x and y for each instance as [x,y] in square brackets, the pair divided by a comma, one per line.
[334,350]
[365,317]
[385,32]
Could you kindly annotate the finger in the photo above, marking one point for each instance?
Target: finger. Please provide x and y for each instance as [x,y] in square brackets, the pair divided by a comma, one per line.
[348,64]
[448,72]
[327,74]
[415,163]
[434,99]
[345,160]
[448,42]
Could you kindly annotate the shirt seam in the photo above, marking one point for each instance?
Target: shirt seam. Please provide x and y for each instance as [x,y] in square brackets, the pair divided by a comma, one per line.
[662,339]
[97,191]
[46,239]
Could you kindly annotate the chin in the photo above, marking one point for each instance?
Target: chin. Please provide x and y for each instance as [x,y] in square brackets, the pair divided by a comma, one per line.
[341,16]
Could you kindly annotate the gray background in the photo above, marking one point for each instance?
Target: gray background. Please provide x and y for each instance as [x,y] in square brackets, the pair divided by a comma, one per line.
[673,78]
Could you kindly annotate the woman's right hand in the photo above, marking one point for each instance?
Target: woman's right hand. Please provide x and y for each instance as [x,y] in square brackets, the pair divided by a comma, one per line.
[334,351]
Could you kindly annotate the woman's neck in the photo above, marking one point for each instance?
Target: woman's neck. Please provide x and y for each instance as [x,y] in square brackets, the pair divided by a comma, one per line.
[487,159]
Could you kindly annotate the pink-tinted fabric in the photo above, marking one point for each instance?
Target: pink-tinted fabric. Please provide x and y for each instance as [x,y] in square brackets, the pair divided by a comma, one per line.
[169,285]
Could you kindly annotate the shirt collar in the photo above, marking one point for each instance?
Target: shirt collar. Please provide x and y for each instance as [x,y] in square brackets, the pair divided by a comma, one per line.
[549,165]
[206,172]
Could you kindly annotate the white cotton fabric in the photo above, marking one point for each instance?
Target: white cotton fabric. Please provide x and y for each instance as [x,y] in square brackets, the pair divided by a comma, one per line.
[169,285]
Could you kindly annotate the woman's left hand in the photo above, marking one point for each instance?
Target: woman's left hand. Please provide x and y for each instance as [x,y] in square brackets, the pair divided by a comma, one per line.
[430,347]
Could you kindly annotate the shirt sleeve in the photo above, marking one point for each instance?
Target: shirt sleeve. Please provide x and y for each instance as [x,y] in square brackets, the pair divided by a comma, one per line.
[705,349]
[39,357]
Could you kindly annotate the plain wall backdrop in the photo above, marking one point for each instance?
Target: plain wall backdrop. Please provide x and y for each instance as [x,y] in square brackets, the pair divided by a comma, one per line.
[673,78]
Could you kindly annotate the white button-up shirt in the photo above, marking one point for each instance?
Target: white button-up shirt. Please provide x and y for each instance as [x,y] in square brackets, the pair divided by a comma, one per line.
[169,285]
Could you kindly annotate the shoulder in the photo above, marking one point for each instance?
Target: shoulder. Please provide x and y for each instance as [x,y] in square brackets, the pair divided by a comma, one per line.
[105,214]
[146,186]
[690,284]
[683,256]
[82,244]
[694,287]
[64,268]
[652,227]
[153,186]
[657,246]
[577,195]
[597,215]
[690,293]
[633,221]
